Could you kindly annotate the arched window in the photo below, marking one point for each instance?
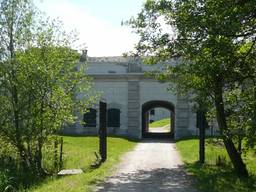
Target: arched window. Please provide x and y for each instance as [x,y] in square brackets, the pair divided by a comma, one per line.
[90,118]
[113,117]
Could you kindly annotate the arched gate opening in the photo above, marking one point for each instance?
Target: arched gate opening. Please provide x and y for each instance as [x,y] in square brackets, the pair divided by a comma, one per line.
[146,112]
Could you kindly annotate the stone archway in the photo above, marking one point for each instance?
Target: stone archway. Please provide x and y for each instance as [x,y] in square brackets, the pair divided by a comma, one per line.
[157,104]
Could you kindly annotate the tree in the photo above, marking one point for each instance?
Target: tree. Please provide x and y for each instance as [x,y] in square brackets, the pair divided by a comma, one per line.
[215,44]
[39,80]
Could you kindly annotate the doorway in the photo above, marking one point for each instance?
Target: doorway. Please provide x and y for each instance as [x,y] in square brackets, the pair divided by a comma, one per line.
[158,119]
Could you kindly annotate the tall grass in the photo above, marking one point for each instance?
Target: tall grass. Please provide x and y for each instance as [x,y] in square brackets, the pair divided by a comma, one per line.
[79,153]
[217,174]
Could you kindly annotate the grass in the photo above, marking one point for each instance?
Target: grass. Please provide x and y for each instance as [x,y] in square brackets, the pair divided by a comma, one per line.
[160,123]
[79,153]
[217,174]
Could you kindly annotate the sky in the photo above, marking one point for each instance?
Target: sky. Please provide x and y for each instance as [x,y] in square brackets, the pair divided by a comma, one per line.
[98,23]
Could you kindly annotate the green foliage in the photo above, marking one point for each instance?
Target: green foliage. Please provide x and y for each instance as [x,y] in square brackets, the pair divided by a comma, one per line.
[78,152]
[12,173]
[7,150]
[213,43]
[40,78]
[51,154]
[3,181]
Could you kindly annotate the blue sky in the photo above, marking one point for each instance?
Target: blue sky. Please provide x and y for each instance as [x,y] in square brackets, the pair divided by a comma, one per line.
[98,22]
[112,10]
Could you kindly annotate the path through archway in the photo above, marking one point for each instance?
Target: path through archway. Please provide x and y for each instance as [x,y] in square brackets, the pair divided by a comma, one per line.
[147,109]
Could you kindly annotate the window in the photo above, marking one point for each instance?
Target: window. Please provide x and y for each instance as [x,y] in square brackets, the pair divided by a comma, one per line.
[90,118]
[113,117]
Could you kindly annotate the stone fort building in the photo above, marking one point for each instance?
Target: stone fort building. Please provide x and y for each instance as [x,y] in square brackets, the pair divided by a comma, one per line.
[131,98]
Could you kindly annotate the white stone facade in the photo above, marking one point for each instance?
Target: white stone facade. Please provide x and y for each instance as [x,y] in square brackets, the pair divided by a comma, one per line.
[123,84]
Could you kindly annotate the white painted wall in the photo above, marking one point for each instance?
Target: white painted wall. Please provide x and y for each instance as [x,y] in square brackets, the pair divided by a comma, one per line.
[111,79]
[159,113]
[106,68]
[116,95]
[152,90]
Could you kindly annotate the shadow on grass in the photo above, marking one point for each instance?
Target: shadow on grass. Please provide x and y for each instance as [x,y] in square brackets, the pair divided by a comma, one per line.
[197,137]
[211,178]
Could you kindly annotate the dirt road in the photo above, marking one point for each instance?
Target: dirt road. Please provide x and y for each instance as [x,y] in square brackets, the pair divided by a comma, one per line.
[153,166]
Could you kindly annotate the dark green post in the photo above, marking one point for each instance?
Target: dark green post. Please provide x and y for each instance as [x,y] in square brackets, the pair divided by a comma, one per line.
[103,131]
[201,124]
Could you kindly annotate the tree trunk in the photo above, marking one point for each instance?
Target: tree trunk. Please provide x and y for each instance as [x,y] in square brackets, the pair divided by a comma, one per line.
[239,145]
[38,159]
[23,157]
[234,156]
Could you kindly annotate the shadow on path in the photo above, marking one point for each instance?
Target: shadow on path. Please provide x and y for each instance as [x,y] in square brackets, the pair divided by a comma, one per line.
[156,180]
[153,166]
[157,140]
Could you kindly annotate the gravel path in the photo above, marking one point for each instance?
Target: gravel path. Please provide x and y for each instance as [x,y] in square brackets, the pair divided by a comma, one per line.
[153,166]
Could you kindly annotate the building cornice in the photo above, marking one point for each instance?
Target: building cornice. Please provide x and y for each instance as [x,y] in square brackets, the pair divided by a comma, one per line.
[118,76]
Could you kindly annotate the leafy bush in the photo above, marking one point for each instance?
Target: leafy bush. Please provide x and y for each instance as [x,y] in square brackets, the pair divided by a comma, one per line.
[3,181]
[52,161]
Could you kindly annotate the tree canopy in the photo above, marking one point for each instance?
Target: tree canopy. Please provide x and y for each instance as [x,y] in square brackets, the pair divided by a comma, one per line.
[215,44]
[39,80]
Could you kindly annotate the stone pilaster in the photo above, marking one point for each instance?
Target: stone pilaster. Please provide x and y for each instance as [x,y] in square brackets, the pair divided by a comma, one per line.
[133,112]
[182,118]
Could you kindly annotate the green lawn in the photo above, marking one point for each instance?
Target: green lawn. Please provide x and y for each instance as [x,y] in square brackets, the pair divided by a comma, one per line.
[79,153]
[160,123]
[213,178]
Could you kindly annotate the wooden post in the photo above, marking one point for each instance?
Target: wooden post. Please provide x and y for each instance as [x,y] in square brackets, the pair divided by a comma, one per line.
[61,153]
[202,140]
[201,125]
[103,131]
[56,153]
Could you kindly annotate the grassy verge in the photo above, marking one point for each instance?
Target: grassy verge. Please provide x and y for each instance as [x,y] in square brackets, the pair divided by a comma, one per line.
[160,123]
[79,153]
[216,175]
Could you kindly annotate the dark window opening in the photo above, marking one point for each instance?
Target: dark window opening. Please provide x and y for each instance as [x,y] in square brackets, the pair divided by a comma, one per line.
[90,118]
[113,117]
[152,112]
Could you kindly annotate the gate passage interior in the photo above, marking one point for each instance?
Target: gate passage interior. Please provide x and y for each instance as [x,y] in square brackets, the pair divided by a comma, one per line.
[146,107]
